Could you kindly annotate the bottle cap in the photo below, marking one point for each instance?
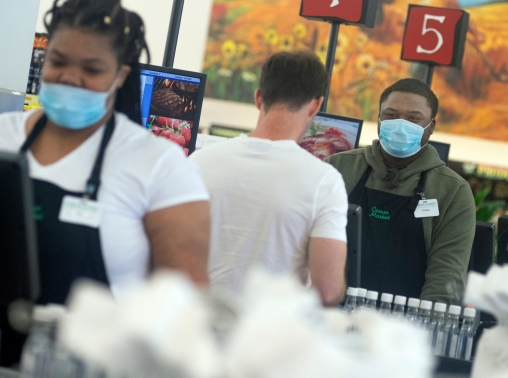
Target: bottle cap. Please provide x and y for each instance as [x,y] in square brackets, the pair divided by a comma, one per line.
[47,314]
[469,312]
[372,295]
[413,302]
[440,307]
[400,300]
[385,297]
[353,291]
[454,310]
[426,305]
[362,292]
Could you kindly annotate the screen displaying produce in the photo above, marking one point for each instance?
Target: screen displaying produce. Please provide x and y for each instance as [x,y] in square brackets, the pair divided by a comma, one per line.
[170,104]
[176,130]
[328,135]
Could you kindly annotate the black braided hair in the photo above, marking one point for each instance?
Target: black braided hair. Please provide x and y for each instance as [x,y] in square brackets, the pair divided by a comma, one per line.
[127,31]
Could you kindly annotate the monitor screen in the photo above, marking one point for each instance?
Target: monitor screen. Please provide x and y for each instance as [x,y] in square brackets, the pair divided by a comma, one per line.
[227,132]
[330,134]
[502,240]
[171,103]
[482,252]
[443,149]
[19,272]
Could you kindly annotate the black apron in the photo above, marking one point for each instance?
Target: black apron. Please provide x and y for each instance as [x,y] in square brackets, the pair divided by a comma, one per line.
[66,251]
[394,257]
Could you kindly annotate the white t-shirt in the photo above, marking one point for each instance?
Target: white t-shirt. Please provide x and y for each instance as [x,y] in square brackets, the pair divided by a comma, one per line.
[141,173]
[268,199]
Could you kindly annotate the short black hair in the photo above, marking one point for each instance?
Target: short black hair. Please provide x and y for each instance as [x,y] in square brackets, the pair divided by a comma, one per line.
[412,86]
[292,79]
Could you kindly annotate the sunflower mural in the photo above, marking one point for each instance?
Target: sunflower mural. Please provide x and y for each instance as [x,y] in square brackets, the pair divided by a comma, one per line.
[473,100]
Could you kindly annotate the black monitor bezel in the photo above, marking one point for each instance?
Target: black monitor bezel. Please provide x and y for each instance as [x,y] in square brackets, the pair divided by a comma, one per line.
[482,250]
[347,119]
[441,146]
[31,251]
[201,95]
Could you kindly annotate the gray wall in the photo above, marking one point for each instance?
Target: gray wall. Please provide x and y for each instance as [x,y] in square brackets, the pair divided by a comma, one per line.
[18,19]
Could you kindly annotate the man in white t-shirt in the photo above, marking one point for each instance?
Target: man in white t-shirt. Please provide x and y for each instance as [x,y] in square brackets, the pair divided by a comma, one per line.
[275,205]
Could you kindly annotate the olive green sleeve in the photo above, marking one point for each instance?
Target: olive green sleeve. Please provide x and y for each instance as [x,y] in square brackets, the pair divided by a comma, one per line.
[351,167]
[450,249]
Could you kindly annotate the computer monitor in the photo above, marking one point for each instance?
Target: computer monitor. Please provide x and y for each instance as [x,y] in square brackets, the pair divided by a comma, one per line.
[483,256]
[482,253]
[330,134]
[171,102]
[354,246]
[502,240]
[226,131]
[11,101]
[443,149]
[19,271]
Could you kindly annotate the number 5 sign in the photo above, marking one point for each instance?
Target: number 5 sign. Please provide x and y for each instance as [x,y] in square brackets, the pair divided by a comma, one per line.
[435,36]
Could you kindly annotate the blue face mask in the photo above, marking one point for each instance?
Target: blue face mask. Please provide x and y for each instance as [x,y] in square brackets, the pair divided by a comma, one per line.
[72,107]
[401,138]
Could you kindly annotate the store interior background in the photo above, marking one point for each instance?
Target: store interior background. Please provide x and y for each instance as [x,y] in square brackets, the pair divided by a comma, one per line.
[190,55]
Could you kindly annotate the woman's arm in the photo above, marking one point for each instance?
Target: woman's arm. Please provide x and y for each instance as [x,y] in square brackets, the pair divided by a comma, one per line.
[179,238]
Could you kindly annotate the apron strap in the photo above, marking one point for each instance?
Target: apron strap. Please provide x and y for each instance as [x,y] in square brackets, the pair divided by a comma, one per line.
[419,192]
[365,177]
[94,182]
[34,134]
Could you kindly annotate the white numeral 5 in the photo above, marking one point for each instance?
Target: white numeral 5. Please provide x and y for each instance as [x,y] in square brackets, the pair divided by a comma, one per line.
[425,30]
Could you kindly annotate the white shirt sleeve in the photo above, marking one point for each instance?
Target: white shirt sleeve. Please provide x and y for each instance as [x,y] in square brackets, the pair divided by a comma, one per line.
[330,208]
[175,180]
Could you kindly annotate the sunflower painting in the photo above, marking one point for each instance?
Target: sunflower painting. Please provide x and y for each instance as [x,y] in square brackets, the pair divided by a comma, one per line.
[473,100]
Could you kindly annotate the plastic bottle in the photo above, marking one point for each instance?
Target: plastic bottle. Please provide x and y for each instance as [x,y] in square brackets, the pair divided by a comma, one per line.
[360,300]
[351,294]
[438,325]
[465,341]
[399,308]
[425,312]
[452,331]
[371,301]
[424,318]
[63,363]
[386,304]
[412,310]
[37,351]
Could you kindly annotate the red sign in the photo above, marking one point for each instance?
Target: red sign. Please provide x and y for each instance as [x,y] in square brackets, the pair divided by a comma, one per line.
[435,35]
[357,12]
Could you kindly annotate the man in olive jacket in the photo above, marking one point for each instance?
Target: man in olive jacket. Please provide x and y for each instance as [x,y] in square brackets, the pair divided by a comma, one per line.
[418,215]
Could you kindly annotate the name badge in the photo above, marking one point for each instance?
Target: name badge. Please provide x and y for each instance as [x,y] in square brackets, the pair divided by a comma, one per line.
[82,211]
[427,208]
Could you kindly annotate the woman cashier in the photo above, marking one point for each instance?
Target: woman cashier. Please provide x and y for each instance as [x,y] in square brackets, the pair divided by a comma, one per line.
[145,203]
[112,200]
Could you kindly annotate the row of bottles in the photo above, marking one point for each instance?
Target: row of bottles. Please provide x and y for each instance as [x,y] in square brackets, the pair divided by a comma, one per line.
[43,356]
[446,337]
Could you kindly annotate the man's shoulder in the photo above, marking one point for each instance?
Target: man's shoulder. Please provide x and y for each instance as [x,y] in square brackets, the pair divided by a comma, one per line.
[352,155]
[444,183]
[349,163]
[446,175]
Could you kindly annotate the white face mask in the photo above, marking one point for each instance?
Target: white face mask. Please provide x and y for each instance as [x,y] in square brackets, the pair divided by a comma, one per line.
[401,138]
